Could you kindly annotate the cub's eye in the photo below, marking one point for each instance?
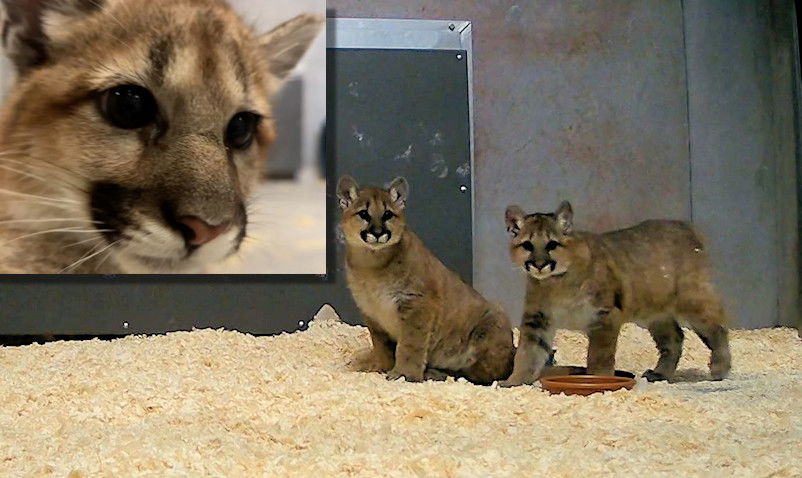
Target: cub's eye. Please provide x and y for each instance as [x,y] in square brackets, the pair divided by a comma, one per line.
[528,246]
[240,130]
[364,215]
[128,106]
[387,215]
[551,245]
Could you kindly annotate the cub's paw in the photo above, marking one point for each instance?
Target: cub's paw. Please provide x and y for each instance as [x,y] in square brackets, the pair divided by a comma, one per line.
[395,375]
[365,361]
[512,383]
[717,377]
[653,376]
[435,375]
[719,371]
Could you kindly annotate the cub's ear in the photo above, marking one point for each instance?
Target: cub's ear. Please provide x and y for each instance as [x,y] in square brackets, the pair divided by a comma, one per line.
[565,217]
[286,44]
[514,218]
[28,27]
[399,192]
[347,190]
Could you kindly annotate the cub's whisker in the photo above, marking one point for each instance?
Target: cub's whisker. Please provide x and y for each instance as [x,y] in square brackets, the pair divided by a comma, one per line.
[99,239]
[53,231]
[84,259]
[22,173]
[111,252]
[45,166]
[55,219]
[34,196]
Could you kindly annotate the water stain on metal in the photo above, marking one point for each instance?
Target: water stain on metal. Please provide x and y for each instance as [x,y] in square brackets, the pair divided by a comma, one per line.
[514,15]
[360,136]
[353,89]
[406,155]
[439,167]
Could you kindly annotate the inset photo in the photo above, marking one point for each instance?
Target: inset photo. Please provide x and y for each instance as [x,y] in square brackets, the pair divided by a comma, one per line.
[162,137]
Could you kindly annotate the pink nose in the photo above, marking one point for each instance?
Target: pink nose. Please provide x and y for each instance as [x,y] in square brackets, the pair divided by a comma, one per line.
[200,232]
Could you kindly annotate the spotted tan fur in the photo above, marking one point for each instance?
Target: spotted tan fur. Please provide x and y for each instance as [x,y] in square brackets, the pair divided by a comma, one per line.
[424,321]
[655,274]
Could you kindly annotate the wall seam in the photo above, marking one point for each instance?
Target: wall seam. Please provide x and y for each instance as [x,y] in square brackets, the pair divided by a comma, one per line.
[687,111]
[796,61]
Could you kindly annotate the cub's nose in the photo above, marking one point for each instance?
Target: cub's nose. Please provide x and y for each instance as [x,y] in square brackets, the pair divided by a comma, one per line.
[540,266]
[379,235]
[197,232]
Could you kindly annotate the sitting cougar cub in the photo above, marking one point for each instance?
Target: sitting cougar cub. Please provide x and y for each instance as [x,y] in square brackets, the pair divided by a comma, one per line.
[424,322]
[135,131]
[652,274]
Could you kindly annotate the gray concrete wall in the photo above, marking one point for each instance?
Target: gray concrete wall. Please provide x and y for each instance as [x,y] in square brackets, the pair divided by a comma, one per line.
[633,110]
[740,72]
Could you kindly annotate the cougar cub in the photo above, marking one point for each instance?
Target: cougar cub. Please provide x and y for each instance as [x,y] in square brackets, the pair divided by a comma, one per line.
[134,133]
[654,274]
[424,322]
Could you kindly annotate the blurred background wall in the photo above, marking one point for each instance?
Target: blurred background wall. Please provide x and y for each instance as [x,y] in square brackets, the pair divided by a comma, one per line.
[636,109]
[6,76]
[308,84]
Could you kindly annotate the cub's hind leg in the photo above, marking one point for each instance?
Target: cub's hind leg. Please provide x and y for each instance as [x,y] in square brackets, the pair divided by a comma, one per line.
[716,338]
[534,347]
[491,340]
[668,337]
[706,316]
[701,306]
[378,358]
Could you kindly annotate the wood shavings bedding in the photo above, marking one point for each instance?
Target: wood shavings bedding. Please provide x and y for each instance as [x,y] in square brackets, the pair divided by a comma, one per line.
[221,403]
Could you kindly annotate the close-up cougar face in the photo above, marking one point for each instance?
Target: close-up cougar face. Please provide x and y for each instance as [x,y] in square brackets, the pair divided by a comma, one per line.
[136,129]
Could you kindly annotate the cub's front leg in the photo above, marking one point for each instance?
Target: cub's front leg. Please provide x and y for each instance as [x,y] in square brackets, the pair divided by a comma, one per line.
[602,341]
[534,347]
[378,358]
[412,351]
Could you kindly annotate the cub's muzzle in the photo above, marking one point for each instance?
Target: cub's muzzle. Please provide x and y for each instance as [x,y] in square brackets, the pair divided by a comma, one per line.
[376,236]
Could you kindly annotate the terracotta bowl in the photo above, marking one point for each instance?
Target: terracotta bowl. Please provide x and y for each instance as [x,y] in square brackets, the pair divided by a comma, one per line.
[584,384]
[574,370]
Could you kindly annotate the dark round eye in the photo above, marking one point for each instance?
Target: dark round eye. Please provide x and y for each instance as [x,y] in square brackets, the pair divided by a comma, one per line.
[364,214]
[387,215]
[528,246]
[128,106]
[239,134]
[551,245]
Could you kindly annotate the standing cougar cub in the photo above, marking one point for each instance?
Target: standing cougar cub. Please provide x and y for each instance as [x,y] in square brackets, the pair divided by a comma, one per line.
[424,322]
[135,131]
[653,274]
